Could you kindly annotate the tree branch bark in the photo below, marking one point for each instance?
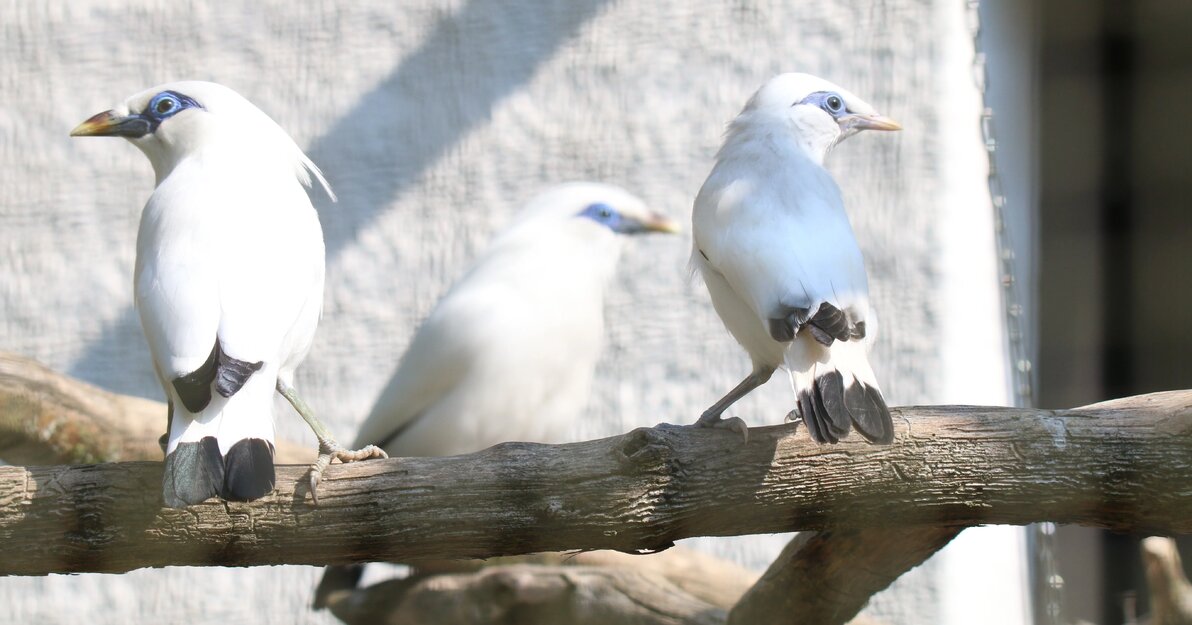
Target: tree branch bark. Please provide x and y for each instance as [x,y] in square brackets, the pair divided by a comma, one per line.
[712,580]
[676,586]
[1123,465]
[607,587]
[50,418]
[828,576]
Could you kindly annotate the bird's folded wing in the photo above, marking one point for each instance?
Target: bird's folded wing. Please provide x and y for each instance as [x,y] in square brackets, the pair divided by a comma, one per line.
[178,302]
[271,271]
[438,358]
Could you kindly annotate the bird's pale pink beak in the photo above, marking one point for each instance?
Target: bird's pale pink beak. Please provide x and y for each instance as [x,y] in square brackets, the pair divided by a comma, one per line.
[657,222]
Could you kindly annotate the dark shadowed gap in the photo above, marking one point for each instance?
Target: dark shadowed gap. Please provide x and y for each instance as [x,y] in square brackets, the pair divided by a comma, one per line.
[1117,50]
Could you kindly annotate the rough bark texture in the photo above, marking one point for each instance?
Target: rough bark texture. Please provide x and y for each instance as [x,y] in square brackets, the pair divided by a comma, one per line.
[527,593]
[677,586]
[712,580]
[1122,465]
[607,587]
[827,577]
[50,418]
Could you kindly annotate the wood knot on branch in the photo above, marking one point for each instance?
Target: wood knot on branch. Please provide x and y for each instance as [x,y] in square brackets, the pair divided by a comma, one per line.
[646,449]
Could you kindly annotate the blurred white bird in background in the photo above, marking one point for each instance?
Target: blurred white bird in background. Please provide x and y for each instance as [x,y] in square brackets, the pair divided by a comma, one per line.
[510,351]
[228,282]
[777,252]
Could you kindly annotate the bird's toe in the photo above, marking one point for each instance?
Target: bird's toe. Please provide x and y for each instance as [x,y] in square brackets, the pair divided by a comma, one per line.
[364,453]
[330,450]
[316,472]
[732,424]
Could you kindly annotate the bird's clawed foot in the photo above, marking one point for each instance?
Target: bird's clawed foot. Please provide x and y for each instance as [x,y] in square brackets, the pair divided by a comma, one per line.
[732,424]
[330,450]
[794,417]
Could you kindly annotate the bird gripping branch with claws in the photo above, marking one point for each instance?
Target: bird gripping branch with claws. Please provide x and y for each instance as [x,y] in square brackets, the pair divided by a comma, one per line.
[228,283]
[776,250]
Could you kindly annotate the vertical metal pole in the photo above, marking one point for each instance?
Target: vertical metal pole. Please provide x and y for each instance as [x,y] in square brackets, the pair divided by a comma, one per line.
[1047,585]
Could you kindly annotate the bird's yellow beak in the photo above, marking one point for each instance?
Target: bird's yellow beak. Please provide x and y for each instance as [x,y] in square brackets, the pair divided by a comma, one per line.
[657,222]
[98,125]
[112,124]
[858,121]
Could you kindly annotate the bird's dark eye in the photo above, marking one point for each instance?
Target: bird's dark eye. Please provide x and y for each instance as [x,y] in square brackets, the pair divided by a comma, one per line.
[167,104]
[834,103]
[601,213]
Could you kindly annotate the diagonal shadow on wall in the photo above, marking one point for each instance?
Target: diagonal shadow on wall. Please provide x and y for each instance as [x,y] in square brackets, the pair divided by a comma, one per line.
[433,98]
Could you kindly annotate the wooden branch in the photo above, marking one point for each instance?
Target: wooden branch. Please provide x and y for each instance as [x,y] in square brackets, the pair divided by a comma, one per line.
[827,577]
[528,593]
[50,418]
[1124,465]
[608,587]
[712,580]
[676,586]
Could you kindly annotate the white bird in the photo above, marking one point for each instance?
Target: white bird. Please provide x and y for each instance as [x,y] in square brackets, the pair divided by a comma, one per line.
[776,250]
[510,350]
[228,282]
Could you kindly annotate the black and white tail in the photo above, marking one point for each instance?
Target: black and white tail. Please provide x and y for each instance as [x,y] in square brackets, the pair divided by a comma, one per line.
[836,389]
[221,438]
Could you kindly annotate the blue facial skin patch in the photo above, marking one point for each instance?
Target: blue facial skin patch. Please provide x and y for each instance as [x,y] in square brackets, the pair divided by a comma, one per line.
[608,217]
[166,105]
[831,102]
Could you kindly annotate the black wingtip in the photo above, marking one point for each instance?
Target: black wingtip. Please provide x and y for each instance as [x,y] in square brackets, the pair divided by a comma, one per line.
[786,325]
[232,373]
[827,325]
[832,323]
[229,375]
[248,470]
[194,388]
[193,473]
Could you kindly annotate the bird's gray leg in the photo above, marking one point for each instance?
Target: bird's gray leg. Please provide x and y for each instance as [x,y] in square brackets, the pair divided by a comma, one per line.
[164,441]
[711,417]
[328,447]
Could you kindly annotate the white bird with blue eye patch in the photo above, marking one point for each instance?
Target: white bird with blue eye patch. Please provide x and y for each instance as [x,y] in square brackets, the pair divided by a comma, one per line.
[774,246]
[510,351]
[228,283]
